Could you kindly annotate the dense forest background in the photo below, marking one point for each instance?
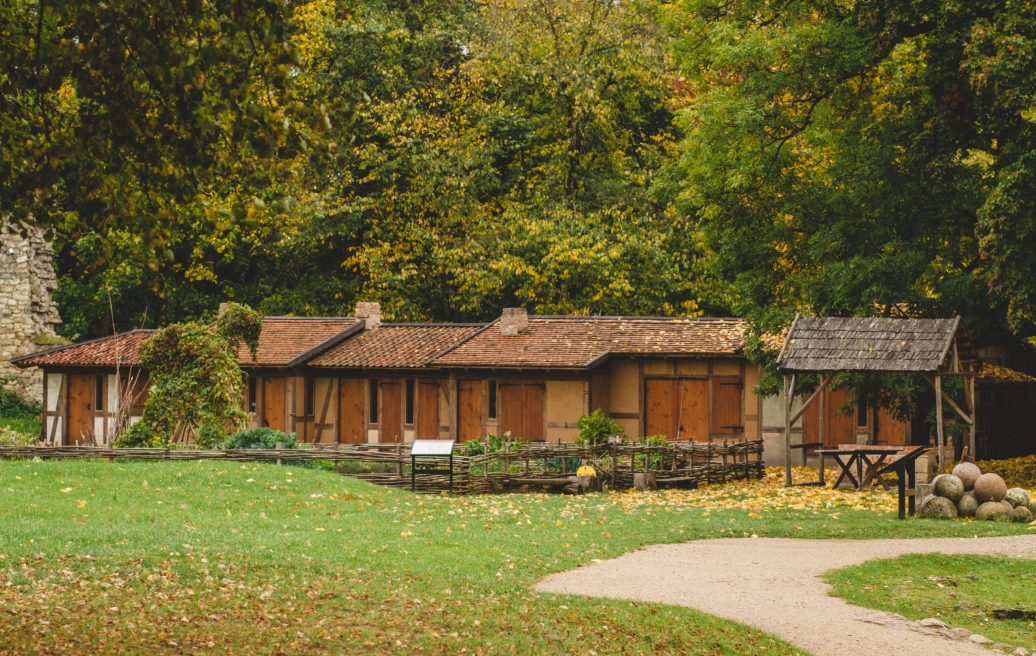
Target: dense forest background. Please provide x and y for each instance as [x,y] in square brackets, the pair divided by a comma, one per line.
[449,158]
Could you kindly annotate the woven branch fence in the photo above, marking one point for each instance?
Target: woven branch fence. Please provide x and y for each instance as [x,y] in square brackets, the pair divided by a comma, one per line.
[532,466]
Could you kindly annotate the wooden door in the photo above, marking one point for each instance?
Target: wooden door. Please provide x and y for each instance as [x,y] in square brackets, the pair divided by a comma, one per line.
[428,409]
[660,406]
[469,410]
[391,421]
[351,401]
[726,405]
[693,409]
[890,430]
[80,404]
[840,427]
[274,414]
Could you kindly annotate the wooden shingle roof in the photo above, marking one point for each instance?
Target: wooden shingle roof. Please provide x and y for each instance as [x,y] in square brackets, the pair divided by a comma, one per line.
[581,342]
[830,344]
[394,346]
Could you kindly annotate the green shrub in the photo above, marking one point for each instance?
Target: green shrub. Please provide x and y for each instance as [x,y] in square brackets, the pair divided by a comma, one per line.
[260,438]
[492,444]
[140,435]
[10,437]
[596,428]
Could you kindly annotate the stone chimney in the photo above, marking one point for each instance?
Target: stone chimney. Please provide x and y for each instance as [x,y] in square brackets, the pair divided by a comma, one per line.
[223,307]
[514,321]
[370,313]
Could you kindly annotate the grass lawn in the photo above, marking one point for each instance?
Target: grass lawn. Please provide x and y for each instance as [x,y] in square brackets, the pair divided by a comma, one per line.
[959,590]
[206,557]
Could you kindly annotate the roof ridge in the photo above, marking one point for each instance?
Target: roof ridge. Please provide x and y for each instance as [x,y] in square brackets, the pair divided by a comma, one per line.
[615,317]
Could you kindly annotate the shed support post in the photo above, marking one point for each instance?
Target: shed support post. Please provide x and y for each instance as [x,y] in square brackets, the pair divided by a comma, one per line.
[940,438]
[789,383]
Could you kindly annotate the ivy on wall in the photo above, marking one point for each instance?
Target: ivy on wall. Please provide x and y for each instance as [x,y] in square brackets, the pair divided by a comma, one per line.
[196,381]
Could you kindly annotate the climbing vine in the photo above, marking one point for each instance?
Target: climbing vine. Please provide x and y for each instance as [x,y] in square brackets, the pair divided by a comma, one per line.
[196,381]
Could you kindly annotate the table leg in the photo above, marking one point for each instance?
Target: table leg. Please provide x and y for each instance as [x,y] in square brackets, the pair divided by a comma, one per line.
[911,475]
[871,468]
[901,482]
[821,467]
[847,470]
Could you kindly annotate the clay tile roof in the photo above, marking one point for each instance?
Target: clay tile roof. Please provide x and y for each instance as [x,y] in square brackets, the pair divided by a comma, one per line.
[283,342]
[580,342]
[286,341]
[121,349]
[394,346]
[824,344]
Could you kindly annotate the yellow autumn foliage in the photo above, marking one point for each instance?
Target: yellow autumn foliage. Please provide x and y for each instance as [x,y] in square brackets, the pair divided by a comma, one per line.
[1016,472]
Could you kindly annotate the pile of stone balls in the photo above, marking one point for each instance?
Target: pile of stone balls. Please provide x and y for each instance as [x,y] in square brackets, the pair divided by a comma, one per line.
[967,492]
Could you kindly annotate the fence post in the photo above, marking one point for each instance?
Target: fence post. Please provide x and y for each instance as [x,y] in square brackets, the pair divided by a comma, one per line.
[278,446]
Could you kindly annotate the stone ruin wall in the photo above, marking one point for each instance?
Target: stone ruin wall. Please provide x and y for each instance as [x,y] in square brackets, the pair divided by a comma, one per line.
[28,316]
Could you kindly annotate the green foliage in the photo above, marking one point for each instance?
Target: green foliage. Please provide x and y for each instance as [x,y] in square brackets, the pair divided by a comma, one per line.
[596,428]
[260,438]
[196,383]
[493,444]
[15,406]
[856,160]
[240,324]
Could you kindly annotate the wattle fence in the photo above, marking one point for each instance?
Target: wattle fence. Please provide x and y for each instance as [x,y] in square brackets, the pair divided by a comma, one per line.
[535,466]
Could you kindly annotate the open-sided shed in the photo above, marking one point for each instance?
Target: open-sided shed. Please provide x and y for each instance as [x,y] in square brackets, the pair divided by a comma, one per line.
[832,345]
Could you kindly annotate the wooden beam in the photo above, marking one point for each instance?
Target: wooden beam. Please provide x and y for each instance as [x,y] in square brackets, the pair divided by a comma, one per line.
[968,419]
[824,381]
[939,436]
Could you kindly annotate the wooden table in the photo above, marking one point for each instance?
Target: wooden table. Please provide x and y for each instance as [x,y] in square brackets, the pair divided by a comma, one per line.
[865,459]
[864,465]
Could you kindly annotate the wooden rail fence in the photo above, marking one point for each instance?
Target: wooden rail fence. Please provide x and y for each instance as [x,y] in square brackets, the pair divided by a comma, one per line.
[531,467]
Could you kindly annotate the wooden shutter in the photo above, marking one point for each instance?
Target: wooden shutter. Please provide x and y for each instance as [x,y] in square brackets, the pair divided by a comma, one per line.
[521,409]
[693,409]
[428,409]
[726,405]
[352,400]
[390,424]
[469,410]
[532,415]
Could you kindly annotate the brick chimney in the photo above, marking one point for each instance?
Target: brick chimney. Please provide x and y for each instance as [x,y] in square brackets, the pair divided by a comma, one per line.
[514,321]
[370,313]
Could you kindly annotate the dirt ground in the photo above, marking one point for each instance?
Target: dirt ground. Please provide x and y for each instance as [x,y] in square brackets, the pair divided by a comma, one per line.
[774,585]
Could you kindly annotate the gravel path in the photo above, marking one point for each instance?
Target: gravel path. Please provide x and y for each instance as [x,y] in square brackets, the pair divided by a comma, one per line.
[774,585]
